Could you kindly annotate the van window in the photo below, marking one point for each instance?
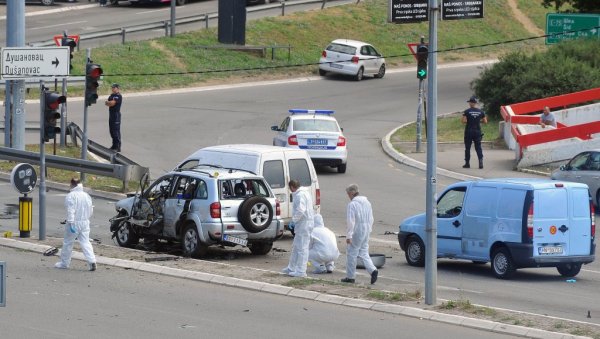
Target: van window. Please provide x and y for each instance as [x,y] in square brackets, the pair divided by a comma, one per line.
[273,173]
[481,200]
[551,203]
[511,203]
[299,171]
[580,210]
[189,164]
[450,204]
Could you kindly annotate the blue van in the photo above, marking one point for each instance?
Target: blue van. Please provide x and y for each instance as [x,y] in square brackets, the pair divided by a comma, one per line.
[512,223]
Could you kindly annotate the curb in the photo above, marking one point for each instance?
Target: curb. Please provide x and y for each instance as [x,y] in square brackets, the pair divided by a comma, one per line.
[481,324]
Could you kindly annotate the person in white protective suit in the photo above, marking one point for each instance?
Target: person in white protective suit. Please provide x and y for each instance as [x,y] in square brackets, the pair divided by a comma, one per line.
[359,223]
[79,210]
[323,250]
[303,219]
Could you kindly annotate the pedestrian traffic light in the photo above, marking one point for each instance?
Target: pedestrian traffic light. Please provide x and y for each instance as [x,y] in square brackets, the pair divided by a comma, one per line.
[422,54]
[92,74]
[51,102]
[71,43]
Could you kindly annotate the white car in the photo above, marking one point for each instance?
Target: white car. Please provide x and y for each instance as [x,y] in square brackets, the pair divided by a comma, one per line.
[317,132]
[353,58]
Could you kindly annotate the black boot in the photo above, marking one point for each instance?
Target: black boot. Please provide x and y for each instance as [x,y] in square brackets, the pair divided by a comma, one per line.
[466,165]
[480,163]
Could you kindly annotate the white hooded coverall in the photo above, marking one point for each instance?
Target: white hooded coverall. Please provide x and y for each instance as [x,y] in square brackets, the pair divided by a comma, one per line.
[359,223]
[79,210]
[303,218]
[323,250]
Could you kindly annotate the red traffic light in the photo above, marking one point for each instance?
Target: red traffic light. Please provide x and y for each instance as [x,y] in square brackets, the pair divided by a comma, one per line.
[93,71]
[53,100]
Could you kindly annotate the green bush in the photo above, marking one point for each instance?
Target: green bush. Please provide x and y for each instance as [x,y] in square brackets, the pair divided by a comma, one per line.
[566,67]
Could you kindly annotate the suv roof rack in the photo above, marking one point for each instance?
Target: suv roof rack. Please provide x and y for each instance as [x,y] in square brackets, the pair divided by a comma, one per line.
[311,111]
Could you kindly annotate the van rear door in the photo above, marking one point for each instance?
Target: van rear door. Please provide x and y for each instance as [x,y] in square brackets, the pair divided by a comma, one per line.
[274,173]
[560,228]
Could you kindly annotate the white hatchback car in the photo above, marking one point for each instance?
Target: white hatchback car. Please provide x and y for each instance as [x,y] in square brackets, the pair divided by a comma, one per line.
[351,57]
[317,132]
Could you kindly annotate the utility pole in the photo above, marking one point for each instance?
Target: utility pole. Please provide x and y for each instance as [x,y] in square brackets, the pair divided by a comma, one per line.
[431,179]
[14,116]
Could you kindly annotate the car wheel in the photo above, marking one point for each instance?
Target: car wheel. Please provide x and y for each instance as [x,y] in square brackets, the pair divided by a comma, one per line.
[381,72]
[126,236]
[191,246]
[47,2]
[180,2]
[260,248]
[342,168]
[322,72]
[502,264]
[415,252]
[359,75]
[255,214]
[569,270]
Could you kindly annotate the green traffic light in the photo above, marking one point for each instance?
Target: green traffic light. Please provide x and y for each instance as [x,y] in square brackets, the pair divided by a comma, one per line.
[422,73]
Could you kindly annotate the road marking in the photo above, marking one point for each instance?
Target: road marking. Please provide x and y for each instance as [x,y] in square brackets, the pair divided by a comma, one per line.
[448,288]
[152,11]
[591,271]
[58,10]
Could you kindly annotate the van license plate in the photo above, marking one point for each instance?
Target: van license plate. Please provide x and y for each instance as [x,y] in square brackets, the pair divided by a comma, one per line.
[311,142]
[235,240]
[550,250]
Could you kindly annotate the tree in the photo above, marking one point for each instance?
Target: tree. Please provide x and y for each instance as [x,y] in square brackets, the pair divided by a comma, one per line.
[582,6]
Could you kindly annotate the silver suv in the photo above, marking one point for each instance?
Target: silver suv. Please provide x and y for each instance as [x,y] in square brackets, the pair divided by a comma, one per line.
[200,207]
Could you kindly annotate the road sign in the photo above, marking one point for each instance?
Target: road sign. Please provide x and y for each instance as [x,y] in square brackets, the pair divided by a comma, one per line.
[23,178]
[58,39]
[408,11]
[575,25]
[458,10]
[412,46]
[34,62]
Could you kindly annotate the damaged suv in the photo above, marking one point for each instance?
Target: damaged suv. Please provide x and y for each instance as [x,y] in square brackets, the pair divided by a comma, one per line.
[199,207]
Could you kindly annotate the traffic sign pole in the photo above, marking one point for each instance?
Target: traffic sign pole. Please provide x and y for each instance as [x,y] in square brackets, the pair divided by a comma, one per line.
[42,207]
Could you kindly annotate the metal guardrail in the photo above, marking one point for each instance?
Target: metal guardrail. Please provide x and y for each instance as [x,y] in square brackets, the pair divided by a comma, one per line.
[120,167]
[180,21]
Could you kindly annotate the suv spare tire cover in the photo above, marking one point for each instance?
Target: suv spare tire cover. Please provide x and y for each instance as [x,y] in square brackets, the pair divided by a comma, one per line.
[255,214]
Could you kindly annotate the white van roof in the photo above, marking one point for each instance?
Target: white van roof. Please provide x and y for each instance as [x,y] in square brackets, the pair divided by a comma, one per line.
[256,149]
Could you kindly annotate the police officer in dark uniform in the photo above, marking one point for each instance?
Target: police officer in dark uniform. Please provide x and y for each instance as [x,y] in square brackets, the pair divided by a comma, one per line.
[114,117]
[472,118]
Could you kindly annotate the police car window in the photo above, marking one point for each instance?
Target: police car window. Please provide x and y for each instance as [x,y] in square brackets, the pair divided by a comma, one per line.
[284,124]
[315,125]
[299,171]
[450,204]
[273,173]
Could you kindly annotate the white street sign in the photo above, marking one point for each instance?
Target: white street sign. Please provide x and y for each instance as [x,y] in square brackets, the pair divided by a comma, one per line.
[34,62]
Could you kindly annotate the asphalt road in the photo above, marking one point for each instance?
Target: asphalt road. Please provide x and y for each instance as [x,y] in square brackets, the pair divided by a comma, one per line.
[160,130]
[44,302]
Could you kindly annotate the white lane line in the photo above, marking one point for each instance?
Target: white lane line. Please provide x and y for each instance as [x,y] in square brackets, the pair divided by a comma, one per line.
[591,271]
[58,25]
[57,10]
[152,11]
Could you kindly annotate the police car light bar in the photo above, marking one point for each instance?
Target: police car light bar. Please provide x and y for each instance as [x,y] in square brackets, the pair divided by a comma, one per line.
[311,111]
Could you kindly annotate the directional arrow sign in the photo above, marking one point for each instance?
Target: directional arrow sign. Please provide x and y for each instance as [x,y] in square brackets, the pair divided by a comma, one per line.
[422,73]
[34,62]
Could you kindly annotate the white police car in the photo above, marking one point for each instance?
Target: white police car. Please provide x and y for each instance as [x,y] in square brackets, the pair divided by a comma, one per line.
[317,132]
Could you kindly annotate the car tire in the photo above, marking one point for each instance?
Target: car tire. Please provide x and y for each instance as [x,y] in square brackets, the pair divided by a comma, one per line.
[126,236]
[191,245]
[569,270]
[342,168]
[47,2]
[360,74]
[180,2]
[322,72]
[415,252]
[255,214]
[260,248]
[381,72]
[503,266]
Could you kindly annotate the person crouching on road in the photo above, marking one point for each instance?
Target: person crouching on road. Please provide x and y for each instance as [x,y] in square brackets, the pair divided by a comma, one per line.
[303,219]
[79,210]
[323,250]
[359,223]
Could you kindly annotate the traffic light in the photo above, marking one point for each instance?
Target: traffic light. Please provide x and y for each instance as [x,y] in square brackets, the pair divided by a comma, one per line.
[71,43]
[92,74]
[51,102]
[422,54]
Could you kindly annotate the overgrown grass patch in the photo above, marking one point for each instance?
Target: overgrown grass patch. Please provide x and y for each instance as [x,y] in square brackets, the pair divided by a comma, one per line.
[450,129]
[394,296]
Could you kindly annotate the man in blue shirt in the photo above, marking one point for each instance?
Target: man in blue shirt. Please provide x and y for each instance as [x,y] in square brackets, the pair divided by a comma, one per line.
[547,118]
[114,117]
[472,118]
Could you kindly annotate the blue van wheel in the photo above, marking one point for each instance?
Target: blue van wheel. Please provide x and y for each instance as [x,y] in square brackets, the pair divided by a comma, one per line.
[415,251]
[502,263]
[569,270]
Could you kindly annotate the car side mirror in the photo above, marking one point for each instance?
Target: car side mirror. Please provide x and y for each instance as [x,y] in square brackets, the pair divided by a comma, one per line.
[275,128]
[342,129]
[562,167]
